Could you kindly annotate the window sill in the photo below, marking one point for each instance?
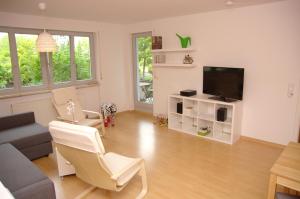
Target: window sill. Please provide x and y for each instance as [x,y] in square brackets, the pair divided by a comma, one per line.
[22,94]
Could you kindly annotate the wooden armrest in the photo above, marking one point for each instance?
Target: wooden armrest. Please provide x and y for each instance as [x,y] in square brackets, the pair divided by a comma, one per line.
[66,120]
[124,170]
[93,112]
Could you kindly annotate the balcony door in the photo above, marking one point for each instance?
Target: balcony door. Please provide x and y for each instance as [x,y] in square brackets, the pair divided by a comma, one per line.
[142,70]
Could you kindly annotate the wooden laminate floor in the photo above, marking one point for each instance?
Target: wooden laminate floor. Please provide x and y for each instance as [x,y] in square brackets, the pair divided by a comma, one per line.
[179,166]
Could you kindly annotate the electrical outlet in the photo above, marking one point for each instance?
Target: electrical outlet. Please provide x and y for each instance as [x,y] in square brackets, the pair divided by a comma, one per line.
[291,90]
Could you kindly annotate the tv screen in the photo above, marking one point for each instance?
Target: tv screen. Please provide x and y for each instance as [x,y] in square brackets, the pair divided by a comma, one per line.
[223,82]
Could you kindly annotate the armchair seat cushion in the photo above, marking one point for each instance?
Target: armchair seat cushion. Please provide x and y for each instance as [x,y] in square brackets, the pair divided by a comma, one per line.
[116,163]
[90,122]
[25,136]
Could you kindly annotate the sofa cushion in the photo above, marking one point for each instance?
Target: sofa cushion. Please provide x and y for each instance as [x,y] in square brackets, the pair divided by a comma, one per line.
[23,179]
[16,170]
[16,120]
[286,196]
[25,136]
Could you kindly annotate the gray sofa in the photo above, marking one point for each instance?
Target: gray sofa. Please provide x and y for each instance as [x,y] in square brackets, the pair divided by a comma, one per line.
[22,178]
[286,196]
[22,140]
[29,137]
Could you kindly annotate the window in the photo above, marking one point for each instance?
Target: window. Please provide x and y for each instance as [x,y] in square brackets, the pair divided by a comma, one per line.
[61,62]
[6,74]
[29,60]
[82,57]
[23,69]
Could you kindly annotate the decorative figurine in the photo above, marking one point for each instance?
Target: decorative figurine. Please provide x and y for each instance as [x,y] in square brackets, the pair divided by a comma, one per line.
[184,41]
[71,109]
[188,59]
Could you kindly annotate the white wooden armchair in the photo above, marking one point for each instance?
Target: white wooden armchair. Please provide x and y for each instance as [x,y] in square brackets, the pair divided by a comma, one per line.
[83,148]
[61,98]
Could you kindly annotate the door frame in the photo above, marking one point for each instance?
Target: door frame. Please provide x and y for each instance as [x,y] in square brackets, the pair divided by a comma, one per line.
[137,104]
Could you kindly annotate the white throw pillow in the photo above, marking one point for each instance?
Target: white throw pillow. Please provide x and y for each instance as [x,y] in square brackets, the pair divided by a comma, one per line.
[4,192]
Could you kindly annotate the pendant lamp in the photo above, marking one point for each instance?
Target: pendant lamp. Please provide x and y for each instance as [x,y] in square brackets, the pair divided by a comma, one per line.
[45,41]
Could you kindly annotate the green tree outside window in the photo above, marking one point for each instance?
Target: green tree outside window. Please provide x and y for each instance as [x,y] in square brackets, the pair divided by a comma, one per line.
[6,75]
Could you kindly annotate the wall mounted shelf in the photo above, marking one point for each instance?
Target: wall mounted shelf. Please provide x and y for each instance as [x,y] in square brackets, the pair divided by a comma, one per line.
[174,65]
[162,52]
[173,50]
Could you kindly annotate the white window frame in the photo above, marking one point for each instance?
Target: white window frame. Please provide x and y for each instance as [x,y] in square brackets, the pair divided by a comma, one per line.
[46,67]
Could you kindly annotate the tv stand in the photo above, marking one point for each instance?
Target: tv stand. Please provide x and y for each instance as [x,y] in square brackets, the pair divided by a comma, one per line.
[223,99]
[198,112]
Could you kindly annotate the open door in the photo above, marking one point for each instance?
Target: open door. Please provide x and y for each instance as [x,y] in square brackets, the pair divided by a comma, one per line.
[142,70]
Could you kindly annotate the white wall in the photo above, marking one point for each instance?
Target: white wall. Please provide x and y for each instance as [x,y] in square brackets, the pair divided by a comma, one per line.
[263,39]
[109,54]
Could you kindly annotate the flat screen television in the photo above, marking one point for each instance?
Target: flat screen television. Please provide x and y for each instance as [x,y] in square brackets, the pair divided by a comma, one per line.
[224,83]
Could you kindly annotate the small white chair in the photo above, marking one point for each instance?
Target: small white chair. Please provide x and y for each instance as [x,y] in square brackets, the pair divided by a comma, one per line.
[60,99]
[83,148]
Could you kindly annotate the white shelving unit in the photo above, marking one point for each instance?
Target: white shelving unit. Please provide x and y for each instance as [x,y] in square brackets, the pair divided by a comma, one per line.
[173,50]
[202,112]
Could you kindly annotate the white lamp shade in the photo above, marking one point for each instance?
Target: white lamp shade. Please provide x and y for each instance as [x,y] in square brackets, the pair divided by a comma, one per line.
[45,43]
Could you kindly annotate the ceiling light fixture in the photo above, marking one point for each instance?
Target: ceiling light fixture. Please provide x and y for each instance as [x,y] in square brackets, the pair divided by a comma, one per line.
[229,3]
[45,41]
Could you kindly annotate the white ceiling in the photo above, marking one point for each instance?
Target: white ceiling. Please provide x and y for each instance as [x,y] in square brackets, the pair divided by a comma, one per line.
[120,11]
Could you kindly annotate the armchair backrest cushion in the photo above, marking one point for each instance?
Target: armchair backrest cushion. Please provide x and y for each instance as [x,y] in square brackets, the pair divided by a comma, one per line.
[80,137]
[16,120]
[60,98]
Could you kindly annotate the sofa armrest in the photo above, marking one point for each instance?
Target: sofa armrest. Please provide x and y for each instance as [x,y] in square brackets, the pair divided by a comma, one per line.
[16,120]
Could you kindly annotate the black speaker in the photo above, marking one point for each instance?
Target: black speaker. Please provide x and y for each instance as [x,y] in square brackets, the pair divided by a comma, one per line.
[222,114]
[179,107]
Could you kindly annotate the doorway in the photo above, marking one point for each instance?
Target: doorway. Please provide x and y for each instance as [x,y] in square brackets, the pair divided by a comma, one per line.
[142,70]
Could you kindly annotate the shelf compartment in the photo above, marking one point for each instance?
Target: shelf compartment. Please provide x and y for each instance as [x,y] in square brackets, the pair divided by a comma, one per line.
[222,131]
[173,104]
[190,108]
[189,125]
[229,113]
[206,111]
[204,124]
[175,121]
